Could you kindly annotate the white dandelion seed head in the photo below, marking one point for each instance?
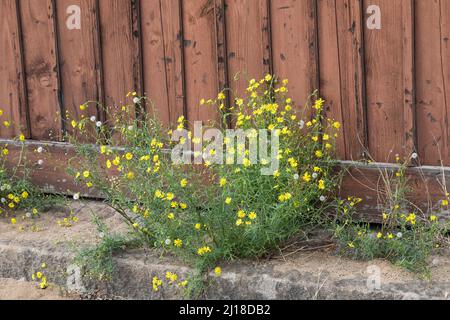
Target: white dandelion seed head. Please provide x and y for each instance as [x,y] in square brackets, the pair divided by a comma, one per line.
[167,242]
[314,175]
[2,188]
[98,124]
[322,198]
[40,162]
[101,235]
[40,149]
[301,124]
[93,118]
[136,100]
[76,196]
[399,235]
[296,176]
[3,200]
[414,155]
[130,128]
[28,214]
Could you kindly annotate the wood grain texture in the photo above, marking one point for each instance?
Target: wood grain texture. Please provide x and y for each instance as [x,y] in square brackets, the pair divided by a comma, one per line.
[41,67]
[359,180]
[294,46]
[389,87]
[389,81]
[433,80]
[200,59]
[342,77]
[330,67]
[12,87]
[80,60]
[248,42]
[221,45]
[426,185]
[120,38]
[163,58]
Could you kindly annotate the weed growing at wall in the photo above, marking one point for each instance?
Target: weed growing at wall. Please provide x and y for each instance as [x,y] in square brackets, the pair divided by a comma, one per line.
[208,213]
[406,237]
[98,259]
[20,200]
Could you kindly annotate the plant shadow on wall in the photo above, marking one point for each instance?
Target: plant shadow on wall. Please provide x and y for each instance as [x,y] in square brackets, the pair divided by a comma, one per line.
[217,211]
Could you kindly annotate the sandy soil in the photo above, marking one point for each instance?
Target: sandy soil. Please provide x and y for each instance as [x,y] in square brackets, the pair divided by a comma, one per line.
[21,290]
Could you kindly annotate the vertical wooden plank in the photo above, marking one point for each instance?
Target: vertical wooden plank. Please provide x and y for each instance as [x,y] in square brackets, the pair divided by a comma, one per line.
[433,80]
[248,42]
[294,45]
[200,58]
[154,58]
[163,57]
[409,84]
[173,44]
[41,67]
[330,66]
[120,38]
[389,84]
[80,59]
[341,50]
[12,86]
[221,44]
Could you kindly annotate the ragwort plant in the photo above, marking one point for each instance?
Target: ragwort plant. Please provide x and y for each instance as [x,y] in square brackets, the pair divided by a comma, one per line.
[406,237]
[19,198]
[209,213]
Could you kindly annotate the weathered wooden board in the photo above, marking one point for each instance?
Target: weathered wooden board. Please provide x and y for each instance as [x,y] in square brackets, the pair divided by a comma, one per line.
[51,176]
[79,58]
[12,87]
[200,52]
[427,183]
[342,83]
[295,46]
[248,42]
[433,80]
[427,186]
[390,88]
[41,68]
[163,57]
[221,46]
[120,39]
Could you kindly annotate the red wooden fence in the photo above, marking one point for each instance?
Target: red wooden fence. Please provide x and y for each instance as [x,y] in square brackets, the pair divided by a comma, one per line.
[390,87]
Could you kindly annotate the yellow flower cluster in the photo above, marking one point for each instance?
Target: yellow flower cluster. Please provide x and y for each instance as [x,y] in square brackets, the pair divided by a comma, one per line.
[41,277]
[13,200]
[203,250]
[242,215]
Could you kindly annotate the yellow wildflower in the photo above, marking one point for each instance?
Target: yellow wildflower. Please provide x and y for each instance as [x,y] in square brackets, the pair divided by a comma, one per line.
[178,243]
[129,156]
